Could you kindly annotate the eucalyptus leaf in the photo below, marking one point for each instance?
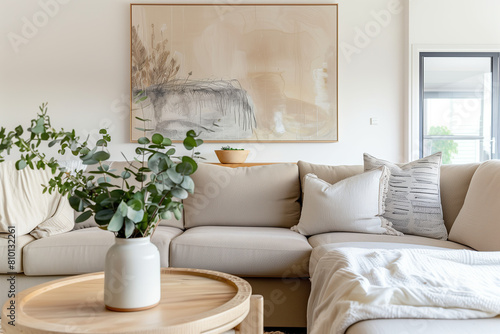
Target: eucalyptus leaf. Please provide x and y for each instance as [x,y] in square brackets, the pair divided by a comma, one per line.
[174,175]
[90,162]
[166,215]
[126,175]
[83,217]
[129,228]
[135,204]
[104,179]
[116,222]
[21,164]
[188,184]
[134,215]
[104,214]
[39,127]
[177,213]
[189,143]
[157,139]
[107,201]
[179,193]
[101,156]
[143,140]
[122,209]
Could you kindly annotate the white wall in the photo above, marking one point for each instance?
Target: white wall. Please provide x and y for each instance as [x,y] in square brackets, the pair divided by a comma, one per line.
[456,22]
[79,60]
[446,26]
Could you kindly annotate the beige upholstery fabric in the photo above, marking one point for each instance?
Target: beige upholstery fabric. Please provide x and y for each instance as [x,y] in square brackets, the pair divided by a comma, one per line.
[338,237]
[354,204]
[83,251]
[426,326]
[478,224]
[455,180]
[246,196]
[331,174]
[285,300]
[119,166]
[23,204]
[243,251]
[21,242]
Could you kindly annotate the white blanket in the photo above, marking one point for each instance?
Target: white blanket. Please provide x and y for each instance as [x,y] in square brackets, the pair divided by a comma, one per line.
[354,284]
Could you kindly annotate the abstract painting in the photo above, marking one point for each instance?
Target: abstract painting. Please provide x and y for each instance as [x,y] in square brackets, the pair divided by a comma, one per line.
[265,73]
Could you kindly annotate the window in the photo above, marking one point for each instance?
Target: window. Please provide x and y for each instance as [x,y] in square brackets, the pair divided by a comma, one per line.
[459,105]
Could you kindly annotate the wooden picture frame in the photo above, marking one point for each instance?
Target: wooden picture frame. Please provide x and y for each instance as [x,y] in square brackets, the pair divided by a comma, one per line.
[236,73]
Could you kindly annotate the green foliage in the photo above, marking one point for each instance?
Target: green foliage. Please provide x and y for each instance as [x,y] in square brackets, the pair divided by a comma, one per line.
[447,147]
[128,211]
[229,148]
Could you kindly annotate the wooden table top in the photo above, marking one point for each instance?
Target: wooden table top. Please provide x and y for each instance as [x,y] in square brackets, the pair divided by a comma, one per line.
[193,301]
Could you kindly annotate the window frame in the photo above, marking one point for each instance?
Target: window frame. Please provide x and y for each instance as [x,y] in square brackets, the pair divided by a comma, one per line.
[495,92]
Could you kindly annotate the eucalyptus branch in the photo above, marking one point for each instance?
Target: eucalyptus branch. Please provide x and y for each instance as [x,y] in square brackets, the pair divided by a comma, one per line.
[126,211]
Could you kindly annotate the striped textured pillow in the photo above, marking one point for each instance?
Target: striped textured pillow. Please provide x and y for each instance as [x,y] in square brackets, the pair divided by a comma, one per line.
[413,202]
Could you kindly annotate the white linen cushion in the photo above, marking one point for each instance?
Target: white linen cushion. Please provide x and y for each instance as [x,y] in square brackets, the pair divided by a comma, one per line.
[331,174]
[24,205]
[413,201]
[83,251]
[243,251]
[477,225]
[354,204]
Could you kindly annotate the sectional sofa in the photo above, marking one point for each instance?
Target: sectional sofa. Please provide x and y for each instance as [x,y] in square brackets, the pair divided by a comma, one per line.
[239,221]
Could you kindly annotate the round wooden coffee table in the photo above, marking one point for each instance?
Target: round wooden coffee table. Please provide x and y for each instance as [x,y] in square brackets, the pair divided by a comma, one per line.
[193,301]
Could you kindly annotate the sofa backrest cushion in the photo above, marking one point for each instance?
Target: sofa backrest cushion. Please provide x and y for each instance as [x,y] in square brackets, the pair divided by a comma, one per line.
[244,196]
[455,180]
[120,166]
[24,205]
[477,225]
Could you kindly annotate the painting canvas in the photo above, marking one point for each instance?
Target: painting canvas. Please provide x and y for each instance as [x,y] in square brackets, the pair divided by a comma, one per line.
[235,72]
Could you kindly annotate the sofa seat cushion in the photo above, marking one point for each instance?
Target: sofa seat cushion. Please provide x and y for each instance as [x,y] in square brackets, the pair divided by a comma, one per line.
[243,251]
[83,251]
[337,237]
[17,265]
[427,326]
[323,243]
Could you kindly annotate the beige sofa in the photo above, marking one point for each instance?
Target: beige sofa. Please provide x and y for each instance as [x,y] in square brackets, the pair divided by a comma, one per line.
[238,221]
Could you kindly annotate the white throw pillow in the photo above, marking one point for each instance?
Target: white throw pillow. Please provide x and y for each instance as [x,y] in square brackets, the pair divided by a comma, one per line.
[24,205]
[413,201]
[354,204]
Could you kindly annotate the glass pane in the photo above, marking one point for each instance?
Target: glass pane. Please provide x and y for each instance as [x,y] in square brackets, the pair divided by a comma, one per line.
[457,108]
[470,150]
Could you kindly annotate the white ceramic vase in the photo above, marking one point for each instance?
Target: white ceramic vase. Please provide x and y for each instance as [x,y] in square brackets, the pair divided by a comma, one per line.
[132,275]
